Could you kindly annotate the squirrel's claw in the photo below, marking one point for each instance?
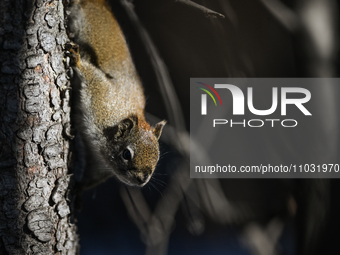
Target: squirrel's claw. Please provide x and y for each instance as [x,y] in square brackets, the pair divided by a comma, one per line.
[72,50]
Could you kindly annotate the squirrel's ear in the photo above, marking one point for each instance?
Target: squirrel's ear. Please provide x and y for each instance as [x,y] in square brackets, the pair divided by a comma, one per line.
[120,130]
[157,130]
[125,126]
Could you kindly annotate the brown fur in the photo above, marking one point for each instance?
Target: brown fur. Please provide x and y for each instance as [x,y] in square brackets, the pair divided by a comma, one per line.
[111,97]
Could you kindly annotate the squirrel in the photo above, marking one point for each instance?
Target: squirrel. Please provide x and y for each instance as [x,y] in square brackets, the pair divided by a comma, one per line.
[109,99]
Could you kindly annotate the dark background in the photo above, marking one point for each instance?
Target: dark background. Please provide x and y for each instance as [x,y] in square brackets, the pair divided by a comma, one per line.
[249,42]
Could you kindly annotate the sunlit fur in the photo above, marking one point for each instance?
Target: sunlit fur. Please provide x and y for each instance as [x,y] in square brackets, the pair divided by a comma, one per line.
[110,102]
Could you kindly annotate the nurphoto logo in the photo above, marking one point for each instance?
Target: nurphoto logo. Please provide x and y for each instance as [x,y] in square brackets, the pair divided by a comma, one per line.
[238,104]
[204,97]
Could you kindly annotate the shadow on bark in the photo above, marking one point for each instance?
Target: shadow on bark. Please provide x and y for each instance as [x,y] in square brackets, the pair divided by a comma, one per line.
[34,208]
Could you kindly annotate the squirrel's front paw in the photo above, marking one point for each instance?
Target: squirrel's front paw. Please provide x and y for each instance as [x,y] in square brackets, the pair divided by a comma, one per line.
[72,50]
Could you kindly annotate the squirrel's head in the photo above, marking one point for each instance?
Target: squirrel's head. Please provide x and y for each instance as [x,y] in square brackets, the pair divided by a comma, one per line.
[132,149]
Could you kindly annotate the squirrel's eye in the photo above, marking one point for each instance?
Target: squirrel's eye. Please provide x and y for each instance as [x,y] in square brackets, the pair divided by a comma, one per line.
[126,154]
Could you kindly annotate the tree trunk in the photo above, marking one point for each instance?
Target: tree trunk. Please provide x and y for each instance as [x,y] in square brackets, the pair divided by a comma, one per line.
[35,204]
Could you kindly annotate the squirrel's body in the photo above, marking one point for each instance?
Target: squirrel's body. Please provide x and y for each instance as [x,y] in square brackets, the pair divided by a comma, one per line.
[110,102]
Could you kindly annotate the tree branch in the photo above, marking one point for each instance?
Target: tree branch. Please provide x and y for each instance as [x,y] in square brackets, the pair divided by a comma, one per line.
[208,13]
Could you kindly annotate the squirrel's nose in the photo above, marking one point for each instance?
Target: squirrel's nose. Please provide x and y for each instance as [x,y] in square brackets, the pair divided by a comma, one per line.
[142,177]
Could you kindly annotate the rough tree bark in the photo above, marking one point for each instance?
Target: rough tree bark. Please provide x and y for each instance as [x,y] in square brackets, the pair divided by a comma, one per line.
[35,209]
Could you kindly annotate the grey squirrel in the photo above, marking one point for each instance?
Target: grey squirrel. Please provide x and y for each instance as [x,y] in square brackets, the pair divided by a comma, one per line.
[109,110]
